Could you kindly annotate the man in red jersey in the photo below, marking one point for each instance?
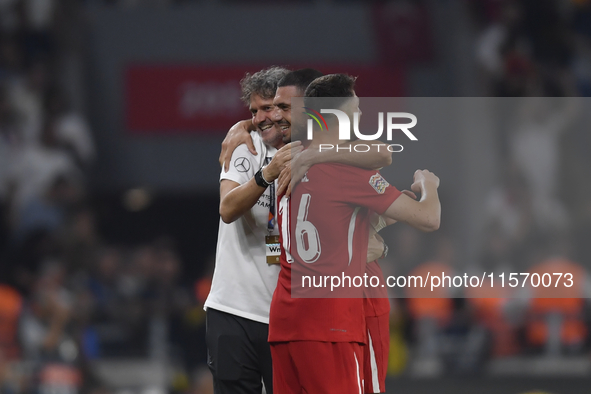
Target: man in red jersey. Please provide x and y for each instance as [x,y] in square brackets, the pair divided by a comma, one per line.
[324,226]
[376,301]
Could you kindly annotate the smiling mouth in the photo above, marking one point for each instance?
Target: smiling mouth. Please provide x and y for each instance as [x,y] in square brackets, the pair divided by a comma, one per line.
[284,127]
[266,127]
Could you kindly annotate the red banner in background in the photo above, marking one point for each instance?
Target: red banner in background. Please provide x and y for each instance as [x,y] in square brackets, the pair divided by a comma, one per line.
[206,99]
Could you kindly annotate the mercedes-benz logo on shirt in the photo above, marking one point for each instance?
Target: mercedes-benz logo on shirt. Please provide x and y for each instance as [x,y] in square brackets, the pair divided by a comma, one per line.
[242,164]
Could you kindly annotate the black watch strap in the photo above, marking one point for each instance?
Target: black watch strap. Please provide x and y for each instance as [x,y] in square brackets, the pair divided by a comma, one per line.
[260,180]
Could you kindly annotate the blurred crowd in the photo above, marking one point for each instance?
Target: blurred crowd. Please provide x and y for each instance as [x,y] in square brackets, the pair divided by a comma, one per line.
[66,296]
[538,53]
[524,41]
[537,216]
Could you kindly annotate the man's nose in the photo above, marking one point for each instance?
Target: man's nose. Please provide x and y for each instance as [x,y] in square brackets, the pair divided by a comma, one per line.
[259,118]
[276,115]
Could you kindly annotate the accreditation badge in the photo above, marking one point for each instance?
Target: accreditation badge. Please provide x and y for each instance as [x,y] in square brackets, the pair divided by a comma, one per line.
[273,249]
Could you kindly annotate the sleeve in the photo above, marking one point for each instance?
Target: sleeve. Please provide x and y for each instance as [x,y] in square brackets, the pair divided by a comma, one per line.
[366,188]
[243,165]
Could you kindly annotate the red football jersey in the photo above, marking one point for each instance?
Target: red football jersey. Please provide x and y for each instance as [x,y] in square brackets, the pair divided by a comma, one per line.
[377,302]
[324,232]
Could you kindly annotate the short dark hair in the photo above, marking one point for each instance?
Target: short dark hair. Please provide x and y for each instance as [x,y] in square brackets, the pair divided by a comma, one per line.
[300,78]
[332,85]
[262,83]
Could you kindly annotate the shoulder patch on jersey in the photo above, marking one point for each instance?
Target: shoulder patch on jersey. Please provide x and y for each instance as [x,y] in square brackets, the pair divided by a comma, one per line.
[378,183]
[242,164]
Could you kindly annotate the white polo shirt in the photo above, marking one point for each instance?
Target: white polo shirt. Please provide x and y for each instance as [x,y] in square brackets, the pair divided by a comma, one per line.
[243,282]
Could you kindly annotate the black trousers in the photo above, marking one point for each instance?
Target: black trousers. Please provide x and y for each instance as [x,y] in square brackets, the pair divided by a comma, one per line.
[238,354]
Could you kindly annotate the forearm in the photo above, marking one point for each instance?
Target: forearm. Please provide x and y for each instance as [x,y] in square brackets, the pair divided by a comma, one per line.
[430,209]
[423,215]
[239,200]
[376,157]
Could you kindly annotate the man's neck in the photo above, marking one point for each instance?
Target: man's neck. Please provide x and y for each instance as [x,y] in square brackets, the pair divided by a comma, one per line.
[325,138]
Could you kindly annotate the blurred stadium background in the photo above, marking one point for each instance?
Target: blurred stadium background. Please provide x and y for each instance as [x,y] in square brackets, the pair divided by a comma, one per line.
[111,118]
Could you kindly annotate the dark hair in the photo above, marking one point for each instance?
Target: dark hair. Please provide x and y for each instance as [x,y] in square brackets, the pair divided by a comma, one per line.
[262,83]
[300,78]
[332,85]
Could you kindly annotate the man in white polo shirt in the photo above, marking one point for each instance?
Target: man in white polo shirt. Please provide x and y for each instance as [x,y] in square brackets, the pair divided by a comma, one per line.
[245,276]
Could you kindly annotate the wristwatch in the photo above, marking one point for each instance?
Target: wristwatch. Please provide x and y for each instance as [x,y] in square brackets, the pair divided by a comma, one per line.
[383,256]
[260,179]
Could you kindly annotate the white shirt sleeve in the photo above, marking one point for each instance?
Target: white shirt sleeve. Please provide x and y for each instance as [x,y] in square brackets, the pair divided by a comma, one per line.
[243,164]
